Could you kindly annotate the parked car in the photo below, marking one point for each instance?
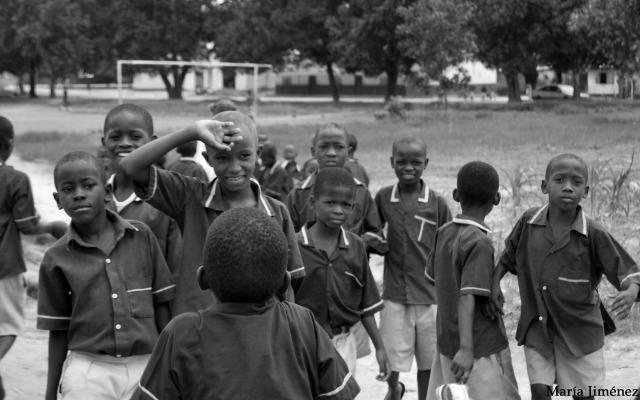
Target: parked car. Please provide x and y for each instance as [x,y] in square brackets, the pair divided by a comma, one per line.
[554,91]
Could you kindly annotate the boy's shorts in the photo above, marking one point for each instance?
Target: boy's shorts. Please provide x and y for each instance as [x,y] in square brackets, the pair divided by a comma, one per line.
[565,369]
[13,295]
[98,376]
[362,340]
[408,330]
[345,344]
[491,377]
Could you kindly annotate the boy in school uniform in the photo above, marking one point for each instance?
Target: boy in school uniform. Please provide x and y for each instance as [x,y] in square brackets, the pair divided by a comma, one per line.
[352,165]
[560,256]
[472,346]
[17,216]
[338,286]
[413,213]
[187,164]
[127,127]
[104,291]
[232,148]
[250,345]
[274,180]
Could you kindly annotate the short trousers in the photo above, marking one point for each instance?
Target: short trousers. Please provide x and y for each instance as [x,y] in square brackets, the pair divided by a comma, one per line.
[362,340]
[491,377]
[345,344]
[408,330]
[100,377]
[565,369]
[13,296]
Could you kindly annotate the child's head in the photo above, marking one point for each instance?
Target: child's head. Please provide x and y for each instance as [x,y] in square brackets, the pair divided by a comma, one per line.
[222,105]
[566,181]
[262,138]
[188,149]
[105,159]
[352,143]
[245,256]
[309,167]
[6,138]
[268,154]
[126,127]
[333,196]
[477,186]
[409,159]
[330,146]
[79,179]
[234,168]
[290,152]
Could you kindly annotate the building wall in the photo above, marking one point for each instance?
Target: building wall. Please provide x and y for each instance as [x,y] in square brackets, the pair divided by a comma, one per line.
[602,82]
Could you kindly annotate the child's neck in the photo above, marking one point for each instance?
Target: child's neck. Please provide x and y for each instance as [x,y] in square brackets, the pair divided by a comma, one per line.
[324,238]
[409,191]
[559,218]
[100,233]
[478,213]
[122,186]
[240,198]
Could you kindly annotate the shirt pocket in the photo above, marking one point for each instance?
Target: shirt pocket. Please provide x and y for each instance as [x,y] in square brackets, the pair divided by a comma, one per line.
[141,302]
[574,287]
[349,285]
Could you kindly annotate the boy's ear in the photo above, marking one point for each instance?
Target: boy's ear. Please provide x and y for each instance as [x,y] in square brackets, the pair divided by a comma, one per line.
[312,201]
[350,151]
[456,195]
[259,151]
[544,187]
[202,282]
[108,189]
[102,140]
[284,288]
[313,151]
[586,192]
[56,197]
[391,161]
[496,199]
[426,162]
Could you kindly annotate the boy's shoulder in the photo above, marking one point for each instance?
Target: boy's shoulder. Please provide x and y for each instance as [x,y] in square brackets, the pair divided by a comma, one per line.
[467,232]
[11,175]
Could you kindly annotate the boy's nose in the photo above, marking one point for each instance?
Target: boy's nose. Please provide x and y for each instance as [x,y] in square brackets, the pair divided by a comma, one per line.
[78,194]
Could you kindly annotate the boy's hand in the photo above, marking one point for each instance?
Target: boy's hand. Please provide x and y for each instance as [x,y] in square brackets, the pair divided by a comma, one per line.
[621,306]
[217,134]
[462,365]
[494,307]
[383,363]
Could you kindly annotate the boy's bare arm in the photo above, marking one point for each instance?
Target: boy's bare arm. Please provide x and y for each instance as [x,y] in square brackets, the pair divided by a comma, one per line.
[57,354]
[163,315]
[463,360]
[370,326]
[493,308]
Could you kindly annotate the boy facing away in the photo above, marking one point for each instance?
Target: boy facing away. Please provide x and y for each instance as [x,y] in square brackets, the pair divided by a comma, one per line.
[560,256]
[126,128]
[338,286]
[187,164]
[413,213]
[104,291]
[352,165]
[274,180]
[232,148]
[17,216]
[249,345]
[472,347]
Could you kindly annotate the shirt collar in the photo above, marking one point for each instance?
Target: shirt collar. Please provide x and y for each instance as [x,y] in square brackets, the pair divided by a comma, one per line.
[243,308]
[424,194]
[541,217]
[465,220]
[343,243]
[120,224]
[215,202]
[312,179]
[187,159]
[111,184]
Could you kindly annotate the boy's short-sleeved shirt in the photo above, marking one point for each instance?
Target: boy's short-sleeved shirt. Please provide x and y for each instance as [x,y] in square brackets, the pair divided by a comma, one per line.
[188,166]
[194,205]
[17,212]
[411,229]
[105,302]
[558,280]
[462,263]
[364,220]
[339,289]
[275,182]
[357,170]
[273,350]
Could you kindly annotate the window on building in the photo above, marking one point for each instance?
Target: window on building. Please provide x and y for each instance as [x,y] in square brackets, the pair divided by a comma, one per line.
[602,78]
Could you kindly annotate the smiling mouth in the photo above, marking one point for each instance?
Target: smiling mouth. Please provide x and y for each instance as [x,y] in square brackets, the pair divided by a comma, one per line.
[235,178]
[81,208]
[122,154]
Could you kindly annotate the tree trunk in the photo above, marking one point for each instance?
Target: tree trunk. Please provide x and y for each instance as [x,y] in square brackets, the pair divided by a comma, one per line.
[52,87]
[178,74]
[21,84]
[575,80]
[392,82]
[335,91]
[513,86]
[531,75]
[32,80]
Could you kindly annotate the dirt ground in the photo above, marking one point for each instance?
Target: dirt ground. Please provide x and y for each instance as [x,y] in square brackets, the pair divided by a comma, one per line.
[24,368]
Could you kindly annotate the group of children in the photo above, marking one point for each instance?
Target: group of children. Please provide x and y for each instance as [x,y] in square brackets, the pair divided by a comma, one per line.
[168,286]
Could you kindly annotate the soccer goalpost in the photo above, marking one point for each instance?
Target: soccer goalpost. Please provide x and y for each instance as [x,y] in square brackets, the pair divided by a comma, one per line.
[200,64]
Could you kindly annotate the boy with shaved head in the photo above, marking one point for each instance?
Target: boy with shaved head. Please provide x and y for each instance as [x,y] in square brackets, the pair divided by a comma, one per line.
[560,256]
[232,148]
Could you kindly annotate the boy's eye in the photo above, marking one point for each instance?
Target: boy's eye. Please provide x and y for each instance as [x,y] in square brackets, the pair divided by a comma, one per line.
[88,185]
[65,190]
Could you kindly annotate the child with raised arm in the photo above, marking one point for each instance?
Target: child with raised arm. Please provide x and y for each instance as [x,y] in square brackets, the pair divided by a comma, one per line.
[232,148]
[413,212]
[338,286]
[560,256]
[250,345]
[17,216]
[472,347]
[104,291]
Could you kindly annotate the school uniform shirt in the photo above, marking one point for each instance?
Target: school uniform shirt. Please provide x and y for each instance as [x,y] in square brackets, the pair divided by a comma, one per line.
[273,350]
[411,229]
[105,302]
[194,205]
[558,280]
[188,166]
[364,220]
[275,182]
[461,264]
[339,288]
[17,213]
[357,170]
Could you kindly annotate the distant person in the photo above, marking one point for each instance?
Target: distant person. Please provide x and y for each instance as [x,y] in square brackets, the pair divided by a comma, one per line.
[309,168]
[104,291]
[289,163]
[412,212]
[274,180]
[250,344]
[105,159]
[352,165]
[17,216]
[186,164]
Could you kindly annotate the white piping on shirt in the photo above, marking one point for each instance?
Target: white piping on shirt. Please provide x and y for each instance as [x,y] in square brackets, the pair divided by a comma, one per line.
[163,289]
[338,389]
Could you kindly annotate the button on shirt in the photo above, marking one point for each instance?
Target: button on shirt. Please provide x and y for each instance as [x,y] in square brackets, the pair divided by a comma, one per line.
[105,302]
[462,263]
[411,230]
[194,205]
[558,280]
[339,289]
[273,350]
